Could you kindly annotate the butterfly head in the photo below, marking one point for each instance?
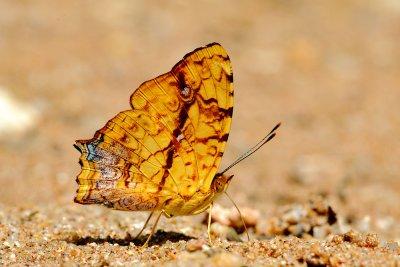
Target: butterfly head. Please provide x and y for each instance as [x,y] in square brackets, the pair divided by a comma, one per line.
[220,182]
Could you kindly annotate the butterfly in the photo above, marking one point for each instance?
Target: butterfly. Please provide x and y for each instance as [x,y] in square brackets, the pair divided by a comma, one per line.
[163,154]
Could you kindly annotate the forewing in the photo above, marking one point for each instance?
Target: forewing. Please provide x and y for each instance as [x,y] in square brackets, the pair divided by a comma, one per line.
[170,144]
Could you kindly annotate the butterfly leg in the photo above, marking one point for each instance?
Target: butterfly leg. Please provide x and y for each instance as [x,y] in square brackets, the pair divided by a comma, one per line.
[240,214]
[209,224]
[145,225]
[153,229]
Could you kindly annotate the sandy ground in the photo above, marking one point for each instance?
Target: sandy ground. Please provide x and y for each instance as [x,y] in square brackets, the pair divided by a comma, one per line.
[324,192]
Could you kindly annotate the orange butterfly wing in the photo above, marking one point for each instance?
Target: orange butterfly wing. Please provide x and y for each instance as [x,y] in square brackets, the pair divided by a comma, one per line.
[169,145]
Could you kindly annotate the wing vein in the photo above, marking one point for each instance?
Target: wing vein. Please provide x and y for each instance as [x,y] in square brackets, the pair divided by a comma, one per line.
[164,124]
[162,166]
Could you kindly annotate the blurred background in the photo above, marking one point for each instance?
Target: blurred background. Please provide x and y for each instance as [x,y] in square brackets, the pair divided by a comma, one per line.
[328,70]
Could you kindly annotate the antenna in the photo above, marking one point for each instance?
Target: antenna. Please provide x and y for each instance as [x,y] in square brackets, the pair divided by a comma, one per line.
[256,147]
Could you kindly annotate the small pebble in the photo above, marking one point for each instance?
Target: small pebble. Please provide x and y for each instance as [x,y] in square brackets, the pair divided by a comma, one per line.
[195,245]
[224,259]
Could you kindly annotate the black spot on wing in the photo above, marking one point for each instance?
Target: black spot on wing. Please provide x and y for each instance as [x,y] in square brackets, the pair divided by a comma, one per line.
[225,137]
[78,148]
[227,112]
[230,77]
